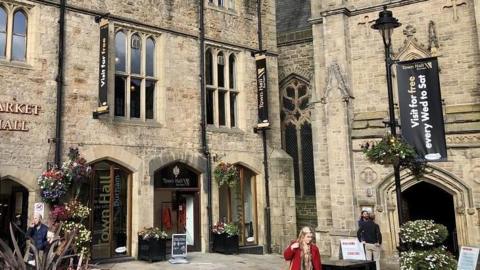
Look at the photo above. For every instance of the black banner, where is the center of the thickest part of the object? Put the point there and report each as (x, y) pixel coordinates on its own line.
(261, 63)
(103, 64)
(421, 108)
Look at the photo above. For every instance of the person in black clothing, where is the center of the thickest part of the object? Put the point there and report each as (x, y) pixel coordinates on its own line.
(38, 233)
(369, 234)
(364, 217)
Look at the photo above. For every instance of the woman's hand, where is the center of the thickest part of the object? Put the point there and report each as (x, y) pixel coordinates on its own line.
(295, 245)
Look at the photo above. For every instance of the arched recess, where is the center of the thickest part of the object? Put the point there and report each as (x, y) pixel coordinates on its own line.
(386, 199)
(192, 159)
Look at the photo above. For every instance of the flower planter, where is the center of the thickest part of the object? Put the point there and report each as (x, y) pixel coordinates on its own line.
(223, 243)
(152, 249)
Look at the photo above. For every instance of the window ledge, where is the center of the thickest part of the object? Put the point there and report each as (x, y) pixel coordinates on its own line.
(234, 130)
(222, 9)
(15, 64)
(133, 122)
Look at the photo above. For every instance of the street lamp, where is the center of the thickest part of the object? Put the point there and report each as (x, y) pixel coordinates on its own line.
(385, 24)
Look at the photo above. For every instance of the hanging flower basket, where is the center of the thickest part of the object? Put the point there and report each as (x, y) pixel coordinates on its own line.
(394, 151)
(76, 168)
(53, 185)
(226, 174)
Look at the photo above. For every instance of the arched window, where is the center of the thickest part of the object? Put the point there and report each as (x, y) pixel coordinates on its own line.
(19, 37)
(136, 54)
(210, 88)
(150, 55)
(222, 91)
(297, 133)
(3, 32)
(120, 51)
(139, 80)
(209, 68)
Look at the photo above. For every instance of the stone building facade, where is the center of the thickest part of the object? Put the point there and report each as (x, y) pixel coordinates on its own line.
(152, 130)
(349, 105)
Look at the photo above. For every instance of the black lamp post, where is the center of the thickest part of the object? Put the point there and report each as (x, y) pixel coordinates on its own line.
(385, 25)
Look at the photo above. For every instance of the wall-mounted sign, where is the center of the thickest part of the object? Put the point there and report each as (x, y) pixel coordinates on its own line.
(16, 109)
(176, 175)
(421, 108)
(102, 70)
(261, 63)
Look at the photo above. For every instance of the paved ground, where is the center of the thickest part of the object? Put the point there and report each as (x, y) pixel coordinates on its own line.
(214, 261)
(210, 261)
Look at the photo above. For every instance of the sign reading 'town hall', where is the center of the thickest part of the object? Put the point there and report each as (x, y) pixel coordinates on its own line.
(421, 108)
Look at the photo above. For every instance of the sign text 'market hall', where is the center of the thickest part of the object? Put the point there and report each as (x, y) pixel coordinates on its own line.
(16, 108)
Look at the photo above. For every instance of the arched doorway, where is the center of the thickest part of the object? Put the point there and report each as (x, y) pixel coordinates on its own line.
(13, 208)
(239, 205)
(108, 194)
(177, 202)
(427, 201)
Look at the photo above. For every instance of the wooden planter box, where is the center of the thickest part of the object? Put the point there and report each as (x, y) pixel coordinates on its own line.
(152, 250)
(225, 244)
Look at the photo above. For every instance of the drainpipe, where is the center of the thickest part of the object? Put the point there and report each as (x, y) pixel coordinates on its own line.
(268, 225)
(60, 79)
(203, 124)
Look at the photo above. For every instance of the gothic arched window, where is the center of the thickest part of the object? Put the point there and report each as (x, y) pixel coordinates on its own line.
(297, 133)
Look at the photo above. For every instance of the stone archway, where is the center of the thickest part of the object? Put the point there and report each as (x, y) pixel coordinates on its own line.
(461, 194)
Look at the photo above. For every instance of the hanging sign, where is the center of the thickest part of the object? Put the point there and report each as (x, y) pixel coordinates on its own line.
(468, 258)
(421, 108)
(103, 69)
(261, 63)
(352, 249)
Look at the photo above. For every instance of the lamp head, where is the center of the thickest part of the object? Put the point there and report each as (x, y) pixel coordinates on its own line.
(385, 25)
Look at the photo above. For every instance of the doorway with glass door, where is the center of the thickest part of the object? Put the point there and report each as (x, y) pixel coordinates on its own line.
(176, 202)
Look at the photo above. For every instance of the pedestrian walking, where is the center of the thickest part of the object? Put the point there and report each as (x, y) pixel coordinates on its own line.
(369, 234)
(302, 253)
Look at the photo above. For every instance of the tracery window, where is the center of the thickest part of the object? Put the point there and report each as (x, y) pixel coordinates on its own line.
(13, 33)
(222, 93)
(134, 96)
(297, 133)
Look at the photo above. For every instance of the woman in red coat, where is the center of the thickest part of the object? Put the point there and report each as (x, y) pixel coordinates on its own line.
(302, 253)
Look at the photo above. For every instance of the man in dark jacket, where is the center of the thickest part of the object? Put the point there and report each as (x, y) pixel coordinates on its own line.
(38, 232)
(369, 234)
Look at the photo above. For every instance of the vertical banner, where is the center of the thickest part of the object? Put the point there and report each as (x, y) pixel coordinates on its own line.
(421, 108)
(103, 64)
(261, 63)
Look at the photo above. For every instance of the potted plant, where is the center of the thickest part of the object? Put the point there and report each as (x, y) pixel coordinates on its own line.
(422, 241)
(152, 244)
(225, 238)
(226, 174)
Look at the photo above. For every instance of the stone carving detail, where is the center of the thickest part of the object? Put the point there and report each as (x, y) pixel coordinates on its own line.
(334, 73)
(432, 39)
(475, 174)
(411, 49)
(366, 22)
(453, 4)
(368, 175)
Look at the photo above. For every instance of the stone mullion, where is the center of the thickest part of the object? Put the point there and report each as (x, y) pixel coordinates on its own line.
(298, 127)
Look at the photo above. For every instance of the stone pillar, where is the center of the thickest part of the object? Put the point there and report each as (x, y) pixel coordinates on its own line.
(333, 151)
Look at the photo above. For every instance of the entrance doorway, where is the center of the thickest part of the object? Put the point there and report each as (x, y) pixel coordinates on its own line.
(108, 194)
(176, 202)
(427, 201)
(13, 208)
